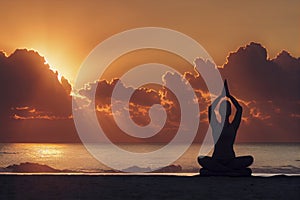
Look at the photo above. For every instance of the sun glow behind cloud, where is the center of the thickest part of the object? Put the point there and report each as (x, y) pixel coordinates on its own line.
(59, 75)
(58, 61)
(53, 64)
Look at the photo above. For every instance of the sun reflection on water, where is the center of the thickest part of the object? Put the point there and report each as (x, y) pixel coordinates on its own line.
(48, 150)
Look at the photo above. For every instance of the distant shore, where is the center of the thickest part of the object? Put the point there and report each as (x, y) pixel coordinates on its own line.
(147, 187)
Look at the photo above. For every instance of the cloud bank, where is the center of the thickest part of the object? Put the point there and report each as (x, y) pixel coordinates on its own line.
(35, 102)
(34, 105)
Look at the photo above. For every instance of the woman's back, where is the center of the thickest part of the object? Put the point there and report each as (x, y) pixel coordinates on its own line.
(224, 144)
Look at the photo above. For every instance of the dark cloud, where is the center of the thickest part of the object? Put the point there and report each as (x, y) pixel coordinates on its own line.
(252, 74)
(270, 91)
(31, 95)
(140, 103)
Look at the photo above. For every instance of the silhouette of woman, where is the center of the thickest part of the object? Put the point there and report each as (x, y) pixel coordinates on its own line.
(223, 159)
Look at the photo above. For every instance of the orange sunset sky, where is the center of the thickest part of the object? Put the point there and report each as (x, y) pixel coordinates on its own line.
(66, 31)
(256, 44)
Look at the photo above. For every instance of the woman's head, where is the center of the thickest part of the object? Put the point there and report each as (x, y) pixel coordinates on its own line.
(225, 109)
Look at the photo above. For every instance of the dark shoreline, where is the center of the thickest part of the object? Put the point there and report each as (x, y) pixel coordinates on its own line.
(147, 187)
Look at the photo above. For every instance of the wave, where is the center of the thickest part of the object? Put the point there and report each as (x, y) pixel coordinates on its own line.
(29, 167)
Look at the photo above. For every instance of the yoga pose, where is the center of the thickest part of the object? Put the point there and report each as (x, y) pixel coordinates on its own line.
(223, 159)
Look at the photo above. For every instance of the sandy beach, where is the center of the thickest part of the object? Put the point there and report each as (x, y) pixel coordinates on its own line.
(147, 187)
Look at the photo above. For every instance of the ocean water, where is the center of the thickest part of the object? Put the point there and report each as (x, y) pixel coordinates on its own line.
(269, 157)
